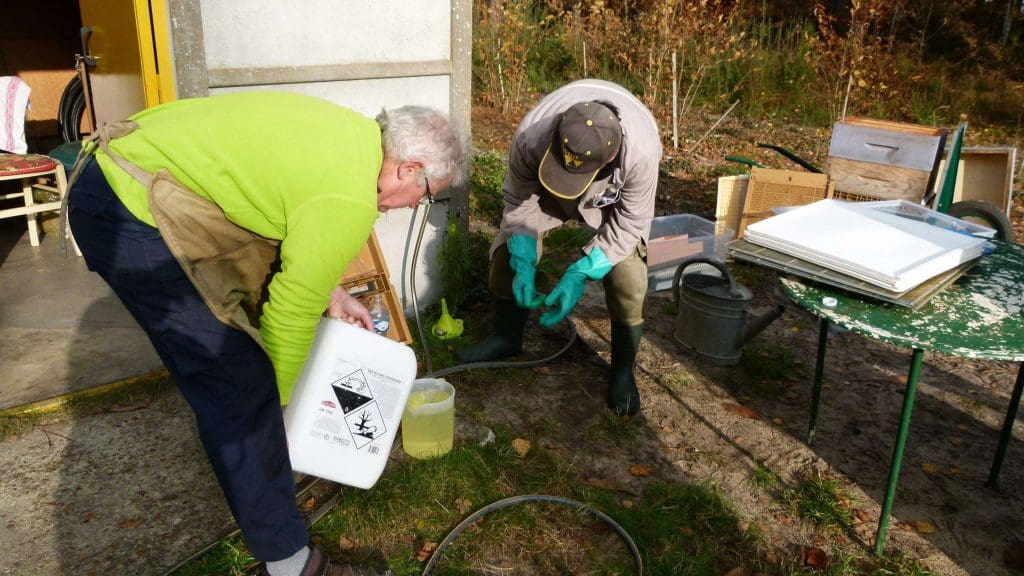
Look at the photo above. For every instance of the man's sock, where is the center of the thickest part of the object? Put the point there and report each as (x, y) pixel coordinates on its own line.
(290, 566)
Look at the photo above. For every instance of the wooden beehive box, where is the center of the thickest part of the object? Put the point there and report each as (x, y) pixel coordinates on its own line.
(732, 192)
(876, 159)
(985, 173)
(768, 188)
(367, 275)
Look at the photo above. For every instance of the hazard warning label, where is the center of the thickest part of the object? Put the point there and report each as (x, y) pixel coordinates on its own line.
(366, 424)
(362, 414)
(352, 391)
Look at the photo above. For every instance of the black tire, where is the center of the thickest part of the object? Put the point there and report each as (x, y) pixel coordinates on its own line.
(984, 213)
(70, 111)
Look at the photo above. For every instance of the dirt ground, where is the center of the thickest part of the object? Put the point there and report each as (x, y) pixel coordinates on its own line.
(715, 426)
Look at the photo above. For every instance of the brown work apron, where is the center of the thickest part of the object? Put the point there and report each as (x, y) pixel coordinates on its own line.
(229, 266)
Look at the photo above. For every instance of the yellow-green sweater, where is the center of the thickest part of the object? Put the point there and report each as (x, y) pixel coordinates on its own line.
(289, 167)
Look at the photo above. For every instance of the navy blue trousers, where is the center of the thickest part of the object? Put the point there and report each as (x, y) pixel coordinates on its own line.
(224, 375)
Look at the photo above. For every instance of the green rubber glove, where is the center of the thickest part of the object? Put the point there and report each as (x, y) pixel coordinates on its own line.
(522, 252)
(567, 293)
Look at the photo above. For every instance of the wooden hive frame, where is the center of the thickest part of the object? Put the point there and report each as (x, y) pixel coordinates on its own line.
(366, 276)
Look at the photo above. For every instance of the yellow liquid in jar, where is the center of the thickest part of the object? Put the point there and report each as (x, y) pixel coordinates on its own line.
(427, 432)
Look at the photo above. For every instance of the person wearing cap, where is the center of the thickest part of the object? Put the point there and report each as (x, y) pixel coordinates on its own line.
(590, 152)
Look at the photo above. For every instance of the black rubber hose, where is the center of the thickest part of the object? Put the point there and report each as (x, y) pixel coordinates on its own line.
(70, 110)
(633, 550)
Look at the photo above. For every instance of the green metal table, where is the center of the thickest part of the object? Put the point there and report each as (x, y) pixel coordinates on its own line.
(980, 316)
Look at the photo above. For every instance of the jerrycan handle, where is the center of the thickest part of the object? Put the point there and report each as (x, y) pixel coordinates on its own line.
(676, 280)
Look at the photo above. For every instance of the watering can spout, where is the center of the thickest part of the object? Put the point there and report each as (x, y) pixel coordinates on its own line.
(754, 326)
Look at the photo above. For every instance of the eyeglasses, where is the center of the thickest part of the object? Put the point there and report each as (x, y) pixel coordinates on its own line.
(427, 197)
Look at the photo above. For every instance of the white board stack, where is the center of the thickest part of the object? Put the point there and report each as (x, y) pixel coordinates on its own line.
(881, 248)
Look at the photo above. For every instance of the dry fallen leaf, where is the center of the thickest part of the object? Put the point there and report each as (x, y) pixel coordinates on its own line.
(862, 515)
(687, 531)
(521, 447)
(924, 527)
(815, 558)
(640, 470)
(88, 516)
(954, 470)
(465, 505)
(130, 524)
(784, 519)
(742, 411)
(628, 504)
(929, 468)
(739, 571)
(610, 485)
(345, 544)
(308, 504)
(542, 369)
(905, 526)
(777, 421)
(426, 551)
(956, 441)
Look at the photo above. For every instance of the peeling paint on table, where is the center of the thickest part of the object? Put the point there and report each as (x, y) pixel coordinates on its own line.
(980, 316)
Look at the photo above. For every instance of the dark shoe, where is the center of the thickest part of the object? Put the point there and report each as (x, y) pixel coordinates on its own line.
(320, 564)
(506, 338)
(623, 396)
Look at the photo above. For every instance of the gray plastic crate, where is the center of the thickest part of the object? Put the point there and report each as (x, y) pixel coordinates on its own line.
(703, 240)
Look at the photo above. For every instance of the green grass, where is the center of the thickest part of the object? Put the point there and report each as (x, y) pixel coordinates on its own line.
(486, 178)
(679, 528)
(763, 477)
(823, 502)
(562, 247)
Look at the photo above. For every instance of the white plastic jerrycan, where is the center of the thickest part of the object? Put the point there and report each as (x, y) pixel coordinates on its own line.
(347, 404)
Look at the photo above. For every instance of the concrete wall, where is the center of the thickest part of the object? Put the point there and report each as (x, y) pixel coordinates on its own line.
(363, 55)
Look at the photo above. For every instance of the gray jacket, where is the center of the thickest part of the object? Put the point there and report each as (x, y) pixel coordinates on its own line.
(621, 225)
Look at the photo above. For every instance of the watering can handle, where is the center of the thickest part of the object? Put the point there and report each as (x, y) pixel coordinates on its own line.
(676, 280)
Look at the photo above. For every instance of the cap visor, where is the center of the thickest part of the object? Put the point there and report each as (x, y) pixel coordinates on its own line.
(560, 182)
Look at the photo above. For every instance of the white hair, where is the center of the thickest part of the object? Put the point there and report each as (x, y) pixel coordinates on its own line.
(423, 134)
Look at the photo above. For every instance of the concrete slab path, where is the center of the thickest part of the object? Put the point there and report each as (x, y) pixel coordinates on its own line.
(61, 327)
(115, 493)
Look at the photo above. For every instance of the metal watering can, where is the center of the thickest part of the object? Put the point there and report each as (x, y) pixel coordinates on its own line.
(711, 318)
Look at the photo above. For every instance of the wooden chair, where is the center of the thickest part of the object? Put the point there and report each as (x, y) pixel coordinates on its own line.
(34, 172)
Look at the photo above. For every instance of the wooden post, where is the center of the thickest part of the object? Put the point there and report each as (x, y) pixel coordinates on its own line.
(675, 104)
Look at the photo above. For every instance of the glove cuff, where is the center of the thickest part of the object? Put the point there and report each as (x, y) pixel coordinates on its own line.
(594, 265)
(523, 248)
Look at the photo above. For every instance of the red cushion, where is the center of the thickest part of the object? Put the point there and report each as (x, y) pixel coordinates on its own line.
(25, 164)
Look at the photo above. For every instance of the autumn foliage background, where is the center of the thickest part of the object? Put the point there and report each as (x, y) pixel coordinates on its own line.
(933, 62)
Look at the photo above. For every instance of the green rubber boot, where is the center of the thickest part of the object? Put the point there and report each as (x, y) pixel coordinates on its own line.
(623, 396)
(506, 338)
